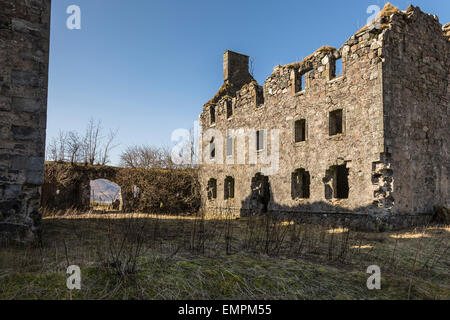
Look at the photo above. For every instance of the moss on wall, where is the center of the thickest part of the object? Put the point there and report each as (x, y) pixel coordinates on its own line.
(143, 190)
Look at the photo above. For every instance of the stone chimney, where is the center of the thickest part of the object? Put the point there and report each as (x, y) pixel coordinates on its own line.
(235, 68)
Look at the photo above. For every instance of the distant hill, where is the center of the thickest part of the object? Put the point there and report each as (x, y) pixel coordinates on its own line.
(104, 190)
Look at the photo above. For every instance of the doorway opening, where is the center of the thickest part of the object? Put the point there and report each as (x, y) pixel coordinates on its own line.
(105, 195)
(260, 193)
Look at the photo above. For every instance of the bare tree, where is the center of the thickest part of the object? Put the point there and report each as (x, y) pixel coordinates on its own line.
(147, 157)
(92, 148)
(129, 158)
(52, 150)
(139, 157)
(56, 149)
(62, 140)
(166, 158)
(74, 147)
(91, 142)
(108, 146)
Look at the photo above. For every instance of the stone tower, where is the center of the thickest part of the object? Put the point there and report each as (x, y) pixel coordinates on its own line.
(24, 55)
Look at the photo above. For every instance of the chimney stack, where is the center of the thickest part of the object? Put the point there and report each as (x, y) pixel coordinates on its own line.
(235, 68)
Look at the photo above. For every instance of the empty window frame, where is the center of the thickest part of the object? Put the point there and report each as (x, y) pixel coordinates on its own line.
(230, 145)
(259, 96)
(300, 130)
(212, 114)
(212, 189)
(301, 181)
(260, 137)
(229, 188)
(301, 80)
(212, 149)
(229, 107)
(337, 68)
(336, 122)
(305, 78)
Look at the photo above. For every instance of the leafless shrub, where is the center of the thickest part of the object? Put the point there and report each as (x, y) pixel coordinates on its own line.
(147, 157)
(160, 191)
(124, 247)
(56, 150)
(74, 147)
(197, 241)
(104, 155)
(91, 141)
(91, 148)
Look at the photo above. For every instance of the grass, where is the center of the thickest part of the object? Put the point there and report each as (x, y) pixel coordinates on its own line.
(251, 258)
(223, 90)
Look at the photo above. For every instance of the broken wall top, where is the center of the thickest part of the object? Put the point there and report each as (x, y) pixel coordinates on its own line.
(390, 17)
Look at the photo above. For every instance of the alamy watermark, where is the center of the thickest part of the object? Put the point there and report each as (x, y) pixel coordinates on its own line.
(373, 21)
(74, 20)
(374, 281)
(242, 146)
(74, 280)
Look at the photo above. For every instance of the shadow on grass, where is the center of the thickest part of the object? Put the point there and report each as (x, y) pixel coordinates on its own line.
(257, 257)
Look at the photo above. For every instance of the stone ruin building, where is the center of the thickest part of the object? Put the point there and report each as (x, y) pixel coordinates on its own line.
(370, 142)
(24, 54)
(67, 188)
(363, 130)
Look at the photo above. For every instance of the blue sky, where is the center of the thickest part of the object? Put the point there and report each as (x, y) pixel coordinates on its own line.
(146, 67)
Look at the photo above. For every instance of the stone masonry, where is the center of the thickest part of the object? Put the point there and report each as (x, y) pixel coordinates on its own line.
(67, 188)
(367, 147)
(24, 54)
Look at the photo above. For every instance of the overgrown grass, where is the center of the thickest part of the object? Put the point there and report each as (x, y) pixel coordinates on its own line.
(158, 257)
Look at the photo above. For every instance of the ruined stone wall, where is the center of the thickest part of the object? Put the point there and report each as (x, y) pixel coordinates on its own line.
(416, 87)
(24, 52)
(358, 92)
(394, 95)
(67, 187)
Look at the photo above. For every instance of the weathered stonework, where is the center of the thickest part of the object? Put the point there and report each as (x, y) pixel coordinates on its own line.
(24, 52)
(394, 96)
(67, 187)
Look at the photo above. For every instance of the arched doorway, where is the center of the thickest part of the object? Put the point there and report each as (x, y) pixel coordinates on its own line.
(105, 195)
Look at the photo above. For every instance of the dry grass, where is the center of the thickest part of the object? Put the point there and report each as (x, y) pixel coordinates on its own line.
(93, 215)
(223, 90)
(410, 235)
(338, 230)
(366, 246)
(166, 257)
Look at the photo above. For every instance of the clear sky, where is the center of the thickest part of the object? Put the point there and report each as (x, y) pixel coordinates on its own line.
(146, 67)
